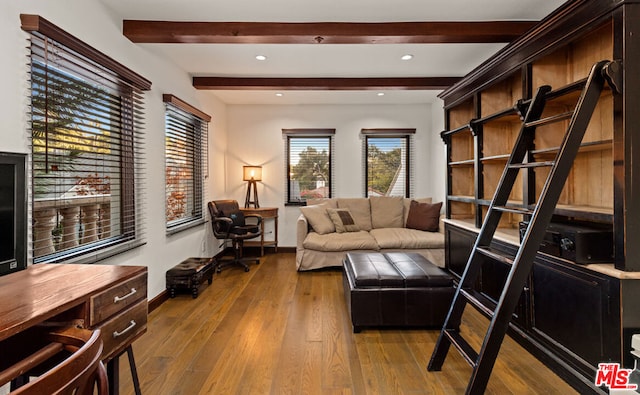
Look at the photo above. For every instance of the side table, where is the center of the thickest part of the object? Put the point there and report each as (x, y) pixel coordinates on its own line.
(266, 213)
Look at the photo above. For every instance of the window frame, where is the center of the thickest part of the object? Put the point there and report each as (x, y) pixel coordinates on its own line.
(295, 134)
(406, 134)
(199, 159)
(130, 87)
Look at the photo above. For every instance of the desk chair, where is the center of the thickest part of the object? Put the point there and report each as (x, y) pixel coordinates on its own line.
(229, 223)
(69, 363)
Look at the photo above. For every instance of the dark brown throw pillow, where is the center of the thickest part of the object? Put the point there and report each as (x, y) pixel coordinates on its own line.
(343, 220)
(424, 216)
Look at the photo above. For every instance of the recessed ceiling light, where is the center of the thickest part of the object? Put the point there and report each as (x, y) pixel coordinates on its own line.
(261, 57)
(407, 57)
(279, 94)
(380, 93)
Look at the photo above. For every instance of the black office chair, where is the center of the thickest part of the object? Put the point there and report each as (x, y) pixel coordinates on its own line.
(229, 223)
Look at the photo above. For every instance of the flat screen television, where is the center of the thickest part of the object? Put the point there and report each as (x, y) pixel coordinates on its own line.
(13, 213)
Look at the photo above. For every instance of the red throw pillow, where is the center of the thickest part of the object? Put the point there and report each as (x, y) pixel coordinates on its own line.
(424, 216)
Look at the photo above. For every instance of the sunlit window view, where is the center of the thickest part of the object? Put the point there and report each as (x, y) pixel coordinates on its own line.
(185, 152)
(84, 153)
(309, 166)
(387, 170)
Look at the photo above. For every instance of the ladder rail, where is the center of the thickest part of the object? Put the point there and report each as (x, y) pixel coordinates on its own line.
(523, 261)
(472, 269)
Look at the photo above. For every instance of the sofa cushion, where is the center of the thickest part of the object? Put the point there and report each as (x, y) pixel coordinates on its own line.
(403, 238)
(318, 218)
(360, 210)
(407, 205)
(328, 202)
(424, 216)
(343, 220)
(360, 240)
(387, 211)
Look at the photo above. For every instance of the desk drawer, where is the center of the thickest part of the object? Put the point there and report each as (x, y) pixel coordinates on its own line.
(117, 298)
(123, 329)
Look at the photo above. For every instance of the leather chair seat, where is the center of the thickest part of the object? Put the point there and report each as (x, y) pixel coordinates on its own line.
(395, 289)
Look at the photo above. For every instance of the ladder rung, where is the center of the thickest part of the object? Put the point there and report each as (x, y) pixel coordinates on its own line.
(494, 254)
(472, 297)
(529, 165)
(551, 119)
(468, 353)
(511, 209)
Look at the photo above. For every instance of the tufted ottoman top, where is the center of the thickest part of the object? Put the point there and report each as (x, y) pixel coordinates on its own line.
(394, 270)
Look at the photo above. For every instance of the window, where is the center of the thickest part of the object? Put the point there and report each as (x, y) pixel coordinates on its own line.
(86, 149)
(309, 164)
(387, 162)
(185, 163)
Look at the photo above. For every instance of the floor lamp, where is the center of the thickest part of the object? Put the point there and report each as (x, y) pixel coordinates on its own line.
(251, 174)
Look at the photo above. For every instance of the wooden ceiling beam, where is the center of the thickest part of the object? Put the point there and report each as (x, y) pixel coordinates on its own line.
(142, 31)
(337, 84)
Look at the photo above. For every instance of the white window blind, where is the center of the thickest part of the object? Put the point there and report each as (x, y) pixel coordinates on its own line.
(387, 162)
(87, 152)
(186, 131)
(308, 164)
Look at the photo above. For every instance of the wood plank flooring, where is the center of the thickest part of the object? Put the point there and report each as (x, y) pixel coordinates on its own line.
(274, 330)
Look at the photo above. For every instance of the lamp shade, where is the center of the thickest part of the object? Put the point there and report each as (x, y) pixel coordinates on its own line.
(252, 173)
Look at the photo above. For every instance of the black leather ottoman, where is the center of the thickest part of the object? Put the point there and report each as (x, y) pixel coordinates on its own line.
(189, 275)
(395, 289)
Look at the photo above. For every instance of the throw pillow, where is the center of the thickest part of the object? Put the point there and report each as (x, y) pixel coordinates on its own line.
(318, 218)
(343, 220)
(237, 217)
(424, 216)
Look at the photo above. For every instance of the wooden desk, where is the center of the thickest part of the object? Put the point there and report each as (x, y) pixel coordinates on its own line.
(110, 298)
(266, 213)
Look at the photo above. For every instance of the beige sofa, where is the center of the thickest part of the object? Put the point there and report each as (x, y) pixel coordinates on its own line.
(381, 223)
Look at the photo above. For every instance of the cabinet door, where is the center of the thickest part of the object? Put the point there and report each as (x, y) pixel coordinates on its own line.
(493, 278)
(493, 274)
(572, 308)
(458, 246)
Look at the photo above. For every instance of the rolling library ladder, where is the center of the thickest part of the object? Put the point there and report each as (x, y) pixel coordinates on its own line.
(540, 215)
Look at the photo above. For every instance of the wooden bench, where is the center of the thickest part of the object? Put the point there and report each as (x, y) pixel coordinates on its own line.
(395, 289)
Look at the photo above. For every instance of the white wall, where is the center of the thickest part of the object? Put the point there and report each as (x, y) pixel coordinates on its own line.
(255, 137)
(92, 23)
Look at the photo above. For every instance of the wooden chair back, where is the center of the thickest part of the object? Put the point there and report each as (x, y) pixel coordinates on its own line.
(81, 372)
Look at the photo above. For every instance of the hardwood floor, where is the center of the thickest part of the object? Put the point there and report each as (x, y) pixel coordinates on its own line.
(277, 331)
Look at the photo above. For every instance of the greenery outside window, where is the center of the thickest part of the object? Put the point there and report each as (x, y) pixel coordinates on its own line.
(185, 163)
(387, 162)
(308, 154)
(86, 149)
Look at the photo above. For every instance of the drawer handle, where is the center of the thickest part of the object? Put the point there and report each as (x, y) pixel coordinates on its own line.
(132, 325)
(120, 298)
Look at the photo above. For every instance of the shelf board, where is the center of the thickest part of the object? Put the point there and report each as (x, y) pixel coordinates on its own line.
(584, 147)
(462, 128)
(599, 214)
(462, 198)
(512, 203)
(466, 162)
(509, 115)
(495, 158)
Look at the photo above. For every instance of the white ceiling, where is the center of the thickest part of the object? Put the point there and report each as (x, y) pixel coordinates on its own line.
(327, 60)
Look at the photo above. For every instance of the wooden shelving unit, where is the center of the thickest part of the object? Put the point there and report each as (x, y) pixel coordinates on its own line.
(483, 115)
